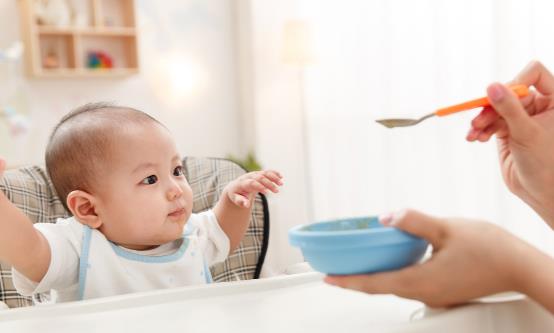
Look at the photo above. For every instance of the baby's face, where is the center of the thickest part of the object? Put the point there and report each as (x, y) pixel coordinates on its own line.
(144, 199)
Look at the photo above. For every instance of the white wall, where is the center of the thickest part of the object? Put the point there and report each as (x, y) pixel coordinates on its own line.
(270, 100)
(403, 59)
(221, 116)
(205, 122)
(388, 58)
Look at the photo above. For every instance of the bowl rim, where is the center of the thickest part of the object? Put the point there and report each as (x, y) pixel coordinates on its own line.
(299, 229)
(383, 236)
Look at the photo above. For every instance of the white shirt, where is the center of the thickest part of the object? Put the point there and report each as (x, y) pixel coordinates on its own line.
(84, 264)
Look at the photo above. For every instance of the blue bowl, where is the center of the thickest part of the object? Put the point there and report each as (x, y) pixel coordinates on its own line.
(356, 246)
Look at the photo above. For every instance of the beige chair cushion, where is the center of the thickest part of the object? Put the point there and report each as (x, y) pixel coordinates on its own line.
(31, 190)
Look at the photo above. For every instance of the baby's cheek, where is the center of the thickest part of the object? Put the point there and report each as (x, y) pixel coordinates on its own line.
(189, 198)
(140, 218)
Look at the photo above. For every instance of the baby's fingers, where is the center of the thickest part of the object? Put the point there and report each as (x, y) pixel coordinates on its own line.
(270, 180)
(252, 185)
(2, 166)
(240, 200)
(268, 184)
(274, 176)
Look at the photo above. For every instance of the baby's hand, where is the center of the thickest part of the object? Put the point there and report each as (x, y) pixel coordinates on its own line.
(2, 166)
(242, 190)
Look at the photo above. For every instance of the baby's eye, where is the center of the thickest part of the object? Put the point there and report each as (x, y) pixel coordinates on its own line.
(152, 179)
(178, 171)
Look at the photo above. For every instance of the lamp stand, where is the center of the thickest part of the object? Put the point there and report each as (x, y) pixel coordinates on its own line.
(305, 147)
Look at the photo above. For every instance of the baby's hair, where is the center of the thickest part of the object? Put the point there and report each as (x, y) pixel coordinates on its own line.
(81, 143)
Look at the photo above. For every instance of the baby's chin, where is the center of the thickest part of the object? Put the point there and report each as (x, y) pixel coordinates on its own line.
(161, 239)
(170, 231)
(153, 243)
(176, 232)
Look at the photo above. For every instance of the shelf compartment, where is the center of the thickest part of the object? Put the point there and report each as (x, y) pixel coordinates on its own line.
(57, 52)
(122, 50)
(61, 51)
(109, 13)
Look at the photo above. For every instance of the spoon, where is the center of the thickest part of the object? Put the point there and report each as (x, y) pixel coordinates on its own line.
(520, 90)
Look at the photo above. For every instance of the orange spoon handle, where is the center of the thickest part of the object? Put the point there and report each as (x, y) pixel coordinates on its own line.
(520, 90)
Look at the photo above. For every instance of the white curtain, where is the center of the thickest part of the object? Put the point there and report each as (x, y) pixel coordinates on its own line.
(402, 58)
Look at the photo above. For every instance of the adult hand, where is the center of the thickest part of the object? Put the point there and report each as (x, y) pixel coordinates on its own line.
(470, 259)
(525, 135)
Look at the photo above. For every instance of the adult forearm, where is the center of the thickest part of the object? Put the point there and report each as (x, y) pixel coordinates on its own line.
(232, 219)
(537, 278)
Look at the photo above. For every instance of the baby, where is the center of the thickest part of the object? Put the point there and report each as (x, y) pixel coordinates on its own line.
(132, 228)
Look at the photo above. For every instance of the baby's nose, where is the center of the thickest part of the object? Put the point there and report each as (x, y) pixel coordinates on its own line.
(174, 192)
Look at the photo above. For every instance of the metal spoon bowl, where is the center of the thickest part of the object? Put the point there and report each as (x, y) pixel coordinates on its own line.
(402, 122)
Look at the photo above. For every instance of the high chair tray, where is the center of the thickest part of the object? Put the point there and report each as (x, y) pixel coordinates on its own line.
(291, 303)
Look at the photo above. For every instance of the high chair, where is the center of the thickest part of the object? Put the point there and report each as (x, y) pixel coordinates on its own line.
(30, 189)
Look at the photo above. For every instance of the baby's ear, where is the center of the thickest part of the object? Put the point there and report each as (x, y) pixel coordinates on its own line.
(81, 205)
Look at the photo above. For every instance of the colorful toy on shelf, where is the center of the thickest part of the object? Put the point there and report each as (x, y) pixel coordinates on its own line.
(99, 59)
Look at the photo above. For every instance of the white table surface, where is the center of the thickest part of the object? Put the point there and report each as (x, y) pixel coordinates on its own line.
(294, 303)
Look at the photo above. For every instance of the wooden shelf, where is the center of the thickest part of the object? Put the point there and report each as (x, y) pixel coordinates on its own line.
(63, 51)
(84, 73)
(96, 31)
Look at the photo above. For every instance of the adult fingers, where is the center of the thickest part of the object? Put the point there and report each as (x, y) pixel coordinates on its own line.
(419, 224)
(535, 74)
(507, 105)
(486, 117)
(497, 127)
(485, 120)
(406, 282)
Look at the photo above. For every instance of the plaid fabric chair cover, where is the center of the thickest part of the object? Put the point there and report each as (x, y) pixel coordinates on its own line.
(31, 190)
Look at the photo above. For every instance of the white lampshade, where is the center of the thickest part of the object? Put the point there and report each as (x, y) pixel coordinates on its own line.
(297, 43)
(177, 78)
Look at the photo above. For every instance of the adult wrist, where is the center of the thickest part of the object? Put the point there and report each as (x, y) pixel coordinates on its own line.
(532, 272)
(545, 211)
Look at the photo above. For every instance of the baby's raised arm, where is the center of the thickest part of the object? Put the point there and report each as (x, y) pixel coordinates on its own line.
(21, 245)
(234, 207)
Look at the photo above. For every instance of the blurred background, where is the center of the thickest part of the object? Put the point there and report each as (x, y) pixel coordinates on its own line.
(298, 85)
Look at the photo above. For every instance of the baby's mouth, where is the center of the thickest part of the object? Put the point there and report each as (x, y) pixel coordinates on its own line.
(176, 214)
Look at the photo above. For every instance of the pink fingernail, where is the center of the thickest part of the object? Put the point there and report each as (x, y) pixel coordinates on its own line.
(386, 219)
(393, 218)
